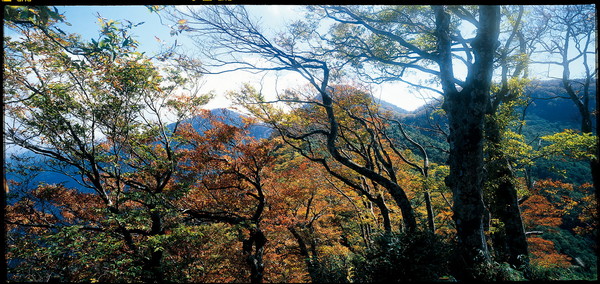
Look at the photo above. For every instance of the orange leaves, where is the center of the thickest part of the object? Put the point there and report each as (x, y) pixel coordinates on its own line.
(538, 211)
(552, 200)
(72, 204)
(545, 254)
(552, 187)
(549, 201)
(23, 213)
(588, 216)
(49, 205)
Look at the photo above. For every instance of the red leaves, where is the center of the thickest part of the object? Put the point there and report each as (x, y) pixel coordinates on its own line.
(545, 254)
(538, 211)
(548, 203)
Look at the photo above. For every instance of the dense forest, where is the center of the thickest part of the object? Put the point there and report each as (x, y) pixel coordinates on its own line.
(121, 173)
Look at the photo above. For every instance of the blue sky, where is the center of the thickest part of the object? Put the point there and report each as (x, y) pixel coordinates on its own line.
(84, 21)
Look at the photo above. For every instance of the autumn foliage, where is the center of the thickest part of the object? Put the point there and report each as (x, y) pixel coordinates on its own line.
(159, 189)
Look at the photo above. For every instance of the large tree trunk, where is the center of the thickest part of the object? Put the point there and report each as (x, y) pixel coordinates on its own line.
(465, 114)
(153, 271)
(466, 111)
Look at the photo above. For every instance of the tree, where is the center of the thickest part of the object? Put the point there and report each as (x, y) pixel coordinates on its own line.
(95, 111)
(427, 46)
(509, 239)
(465, 111)
(228, 172)
(253, 189)
(215, 23)
(325, 219)
(569, 40)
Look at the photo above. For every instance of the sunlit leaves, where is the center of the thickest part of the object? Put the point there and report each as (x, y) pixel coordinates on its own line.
(516, 148)
(96, 109)
(570, 143)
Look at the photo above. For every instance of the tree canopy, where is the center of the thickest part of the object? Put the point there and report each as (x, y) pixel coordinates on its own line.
(317, 183)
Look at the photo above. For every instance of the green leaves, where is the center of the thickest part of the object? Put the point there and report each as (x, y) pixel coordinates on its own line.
(516, 148)
(37, 15)
(115, 38)
(570, 143)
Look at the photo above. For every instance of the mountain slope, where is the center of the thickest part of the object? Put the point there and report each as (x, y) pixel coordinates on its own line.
(230, 117)
(31, 169)
(550, 111)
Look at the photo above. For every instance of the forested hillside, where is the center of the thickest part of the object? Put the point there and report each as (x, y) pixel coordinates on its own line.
(545, 110)
(124, 175)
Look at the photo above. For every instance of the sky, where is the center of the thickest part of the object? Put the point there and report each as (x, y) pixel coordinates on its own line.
(152, 32)
(83, 20)
(155, 32)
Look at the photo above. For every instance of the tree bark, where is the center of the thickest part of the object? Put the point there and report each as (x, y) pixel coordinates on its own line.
(310, 256)
(466, 177)
(253, 249)
(153, 265)
(385, 213)
(466, 110)
(430, 218)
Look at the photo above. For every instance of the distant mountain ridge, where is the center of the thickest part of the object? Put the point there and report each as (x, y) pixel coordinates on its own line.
(230, 117)
(544, 116)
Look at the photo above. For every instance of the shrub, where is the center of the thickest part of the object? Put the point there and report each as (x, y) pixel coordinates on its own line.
(418, 256)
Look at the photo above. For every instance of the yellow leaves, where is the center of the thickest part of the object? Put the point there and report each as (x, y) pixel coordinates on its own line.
(516, 148)
(570, 143)
(246, 120)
